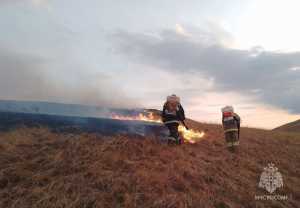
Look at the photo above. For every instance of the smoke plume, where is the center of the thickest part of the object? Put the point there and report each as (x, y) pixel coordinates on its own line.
(28, 77)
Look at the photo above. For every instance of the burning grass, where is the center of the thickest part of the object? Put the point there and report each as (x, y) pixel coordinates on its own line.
(190, 136)
(39, 168)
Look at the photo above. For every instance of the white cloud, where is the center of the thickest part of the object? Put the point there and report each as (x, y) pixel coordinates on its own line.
(180, 30)
(296, 68)
(40, 2)
(271, 24)
(232, 69)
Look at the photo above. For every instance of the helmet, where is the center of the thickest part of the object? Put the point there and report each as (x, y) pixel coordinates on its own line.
(173, 98)
(227, 109)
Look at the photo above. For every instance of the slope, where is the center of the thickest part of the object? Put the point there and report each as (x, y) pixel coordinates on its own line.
(39, 168)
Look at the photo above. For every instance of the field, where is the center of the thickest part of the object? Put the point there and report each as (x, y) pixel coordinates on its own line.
(40, 168)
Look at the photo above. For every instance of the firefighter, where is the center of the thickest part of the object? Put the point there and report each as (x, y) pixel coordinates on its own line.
(231, 125)
(172, 115)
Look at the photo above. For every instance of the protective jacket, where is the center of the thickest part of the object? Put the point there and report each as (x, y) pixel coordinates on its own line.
(172, 116)
(231, 122)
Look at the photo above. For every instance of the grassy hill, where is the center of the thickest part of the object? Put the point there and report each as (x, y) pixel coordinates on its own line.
(39, 168)
(290, 127)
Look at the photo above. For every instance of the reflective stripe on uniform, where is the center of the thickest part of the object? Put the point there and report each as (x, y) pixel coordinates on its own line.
(170, 113)
(229, 144)
(228, 118)
(229, 130)
(172, 121)
(171, 138)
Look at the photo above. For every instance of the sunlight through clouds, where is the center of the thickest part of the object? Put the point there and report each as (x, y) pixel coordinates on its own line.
(270, 24)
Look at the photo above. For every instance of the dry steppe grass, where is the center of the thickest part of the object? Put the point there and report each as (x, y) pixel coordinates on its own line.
(39, 168)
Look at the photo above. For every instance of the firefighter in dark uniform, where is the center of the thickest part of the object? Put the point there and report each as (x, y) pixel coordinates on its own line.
(231, 125)
(172, 115)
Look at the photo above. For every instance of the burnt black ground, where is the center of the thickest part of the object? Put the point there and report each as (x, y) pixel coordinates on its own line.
(71, 124)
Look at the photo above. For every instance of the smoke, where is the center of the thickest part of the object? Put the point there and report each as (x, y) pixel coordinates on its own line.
(29, 77)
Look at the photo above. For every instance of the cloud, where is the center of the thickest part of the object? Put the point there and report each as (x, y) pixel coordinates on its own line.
(39, 2)
(35, 3)
(267, 75)
(28, 77)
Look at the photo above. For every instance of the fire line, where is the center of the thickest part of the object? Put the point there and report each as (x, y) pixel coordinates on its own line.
(191, 136)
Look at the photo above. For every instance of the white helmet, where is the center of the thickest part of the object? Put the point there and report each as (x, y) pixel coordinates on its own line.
(173, 98)
(227, 109)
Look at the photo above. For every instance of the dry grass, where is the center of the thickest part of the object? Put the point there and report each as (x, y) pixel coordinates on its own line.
(290, 127)
(42, 169)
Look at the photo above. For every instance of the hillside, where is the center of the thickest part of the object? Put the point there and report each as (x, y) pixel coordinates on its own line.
(39, 168)
(290, 127)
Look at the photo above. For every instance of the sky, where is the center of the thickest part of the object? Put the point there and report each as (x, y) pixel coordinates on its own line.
(134, 53)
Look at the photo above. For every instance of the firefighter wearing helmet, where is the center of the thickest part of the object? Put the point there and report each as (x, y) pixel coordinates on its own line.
(231, 125)
(172, 115)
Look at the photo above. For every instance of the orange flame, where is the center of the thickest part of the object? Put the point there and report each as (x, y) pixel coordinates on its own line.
(141, 117)
(191, 136)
